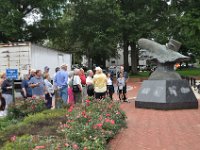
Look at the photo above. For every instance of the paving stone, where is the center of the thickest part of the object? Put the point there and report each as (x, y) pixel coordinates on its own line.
(157, 129)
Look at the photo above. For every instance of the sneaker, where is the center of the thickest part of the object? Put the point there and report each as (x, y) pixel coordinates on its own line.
(126, 100)
(3, 114)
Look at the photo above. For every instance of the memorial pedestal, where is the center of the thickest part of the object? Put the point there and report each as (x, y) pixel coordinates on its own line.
(166, 95)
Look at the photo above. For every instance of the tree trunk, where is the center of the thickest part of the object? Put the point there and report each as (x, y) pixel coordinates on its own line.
(126, 64)
(134, 58)
(103, 63)
(90, 65)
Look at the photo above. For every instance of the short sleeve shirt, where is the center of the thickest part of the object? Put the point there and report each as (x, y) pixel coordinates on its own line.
(27, 88)
(39, 90)
(76, 80)
(125, 75)
(100, 83)
(89, 80)
(121, 82)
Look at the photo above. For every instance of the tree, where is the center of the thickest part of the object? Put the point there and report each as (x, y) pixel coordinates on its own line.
(91, 29)
(13, 26)
(139, 19)
(184, 25)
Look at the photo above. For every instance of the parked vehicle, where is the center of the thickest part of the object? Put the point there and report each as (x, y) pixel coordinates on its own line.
(25, 56)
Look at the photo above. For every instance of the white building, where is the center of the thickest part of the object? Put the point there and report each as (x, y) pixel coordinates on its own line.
(119, 60)
(25, 56)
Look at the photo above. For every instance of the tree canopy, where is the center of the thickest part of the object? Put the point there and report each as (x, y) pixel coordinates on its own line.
(95, 27)
(14, 27)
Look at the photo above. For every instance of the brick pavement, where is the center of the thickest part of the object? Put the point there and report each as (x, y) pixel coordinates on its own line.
(158, 130)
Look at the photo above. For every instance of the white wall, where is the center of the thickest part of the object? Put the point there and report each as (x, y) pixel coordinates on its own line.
(15, 57)
(42, 56)
(119, 61)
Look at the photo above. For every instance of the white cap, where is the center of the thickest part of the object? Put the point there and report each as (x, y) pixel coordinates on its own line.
(97, 68)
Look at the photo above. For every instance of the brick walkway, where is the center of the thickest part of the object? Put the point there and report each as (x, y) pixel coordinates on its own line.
(158, 130)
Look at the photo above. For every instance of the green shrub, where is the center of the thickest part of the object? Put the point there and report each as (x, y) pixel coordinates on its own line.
(23, 108)
(5, 122)
(43, 123)
(88, 127)
(27, 142)
(94, 124)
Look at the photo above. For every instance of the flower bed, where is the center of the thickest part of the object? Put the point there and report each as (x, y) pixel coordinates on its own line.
(23, 108)
(86, 127)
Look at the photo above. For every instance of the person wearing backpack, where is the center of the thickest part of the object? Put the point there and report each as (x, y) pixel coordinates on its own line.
(77, 86)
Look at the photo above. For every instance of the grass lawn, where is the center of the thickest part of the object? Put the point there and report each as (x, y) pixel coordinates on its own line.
(140, 75)
(194, 72)
(190, 72)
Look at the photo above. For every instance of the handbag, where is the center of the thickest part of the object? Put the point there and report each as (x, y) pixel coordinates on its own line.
(75, 88)
(121, 87)
(90, 87)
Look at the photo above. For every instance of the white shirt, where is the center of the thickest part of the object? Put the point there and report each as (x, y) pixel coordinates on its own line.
(76, 80)
(49, 86)
(109, 81)
(89, 80)
(121, 82)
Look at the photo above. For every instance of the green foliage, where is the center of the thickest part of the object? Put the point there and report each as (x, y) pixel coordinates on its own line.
(5, 122)
(22, 108)
(194, 72)
(27, 142)
(89, 27)
(95, 27)
(42, 123)
(140, 74)
(88, 126)
(13, 27)
(93, 125)
(190, 72)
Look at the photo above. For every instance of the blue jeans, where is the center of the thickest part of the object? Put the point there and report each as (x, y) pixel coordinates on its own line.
(63, 92)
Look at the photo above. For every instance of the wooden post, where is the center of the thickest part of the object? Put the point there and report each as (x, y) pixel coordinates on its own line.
(13, 91)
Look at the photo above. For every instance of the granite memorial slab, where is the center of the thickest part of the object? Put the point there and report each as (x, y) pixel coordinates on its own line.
(165, 89)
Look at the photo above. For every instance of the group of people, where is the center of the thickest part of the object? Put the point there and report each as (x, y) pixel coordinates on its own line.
(70, 86)
(76, 85)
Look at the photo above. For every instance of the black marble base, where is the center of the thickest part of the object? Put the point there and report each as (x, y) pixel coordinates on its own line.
(166, 95)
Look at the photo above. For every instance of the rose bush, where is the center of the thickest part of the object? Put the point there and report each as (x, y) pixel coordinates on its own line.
(86, 127)
(23, 108)
(93, 125)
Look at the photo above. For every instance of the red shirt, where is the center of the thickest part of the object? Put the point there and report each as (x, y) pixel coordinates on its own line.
(83, 79)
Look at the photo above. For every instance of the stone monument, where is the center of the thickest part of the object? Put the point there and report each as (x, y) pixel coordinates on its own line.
(165, 89)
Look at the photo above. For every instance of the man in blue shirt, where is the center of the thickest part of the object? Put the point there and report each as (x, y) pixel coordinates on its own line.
(61, 82)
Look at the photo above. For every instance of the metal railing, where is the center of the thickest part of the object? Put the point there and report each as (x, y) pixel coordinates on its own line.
(191, 80)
